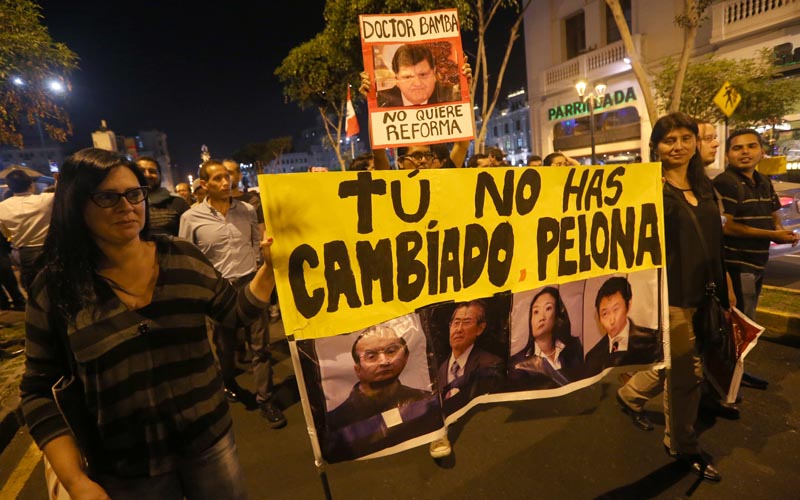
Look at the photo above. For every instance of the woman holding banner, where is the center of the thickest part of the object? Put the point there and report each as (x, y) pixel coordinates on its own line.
(122, 316)
(692, 215)
(552, 356)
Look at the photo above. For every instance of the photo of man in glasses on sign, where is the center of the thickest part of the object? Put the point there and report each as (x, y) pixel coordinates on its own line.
(391, 401)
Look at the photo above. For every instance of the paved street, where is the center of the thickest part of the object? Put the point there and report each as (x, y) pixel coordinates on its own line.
(784, 271)
(576, 447)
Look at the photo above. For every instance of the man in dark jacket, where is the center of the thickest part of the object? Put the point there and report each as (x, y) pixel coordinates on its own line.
(165, 209)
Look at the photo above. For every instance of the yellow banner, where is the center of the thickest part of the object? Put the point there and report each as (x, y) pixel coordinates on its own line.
(353, 249)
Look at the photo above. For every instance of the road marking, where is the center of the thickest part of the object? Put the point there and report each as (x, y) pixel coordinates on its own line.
(19, 476)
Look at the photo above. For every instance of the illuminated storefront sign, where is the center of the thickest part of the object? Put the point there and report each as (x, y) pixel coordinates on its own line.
(579, 108)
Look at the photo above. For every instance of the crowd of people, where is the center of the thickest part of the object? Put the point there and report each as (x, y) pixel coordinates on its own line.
(138, 278)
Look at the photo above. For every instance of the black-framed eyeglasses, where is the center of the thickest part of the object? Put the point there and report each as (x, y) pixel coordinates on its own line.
(418, 156)
(108, 199)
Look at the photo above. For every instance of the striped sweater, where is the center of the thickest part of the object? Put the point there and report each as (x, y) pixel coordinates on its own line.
(149, 374)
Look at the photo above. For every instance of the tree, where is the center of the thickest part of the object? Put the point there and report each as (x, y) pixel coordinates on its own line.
(766, 96)
(690, 21)
(28, 59)
(636, 63)
(482, 13)
(260, 153)
(316, 74)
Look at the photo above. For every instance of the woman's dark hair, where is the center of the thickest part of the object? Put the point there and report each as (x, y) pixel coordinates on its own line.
(696, 171)
(561, 325)
(549, 159)
(71, 255)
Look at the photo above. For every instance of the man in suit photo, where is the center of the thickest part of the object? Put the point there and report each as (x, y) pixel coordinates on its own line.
(469, 371)
(624, 343)
(416, 83)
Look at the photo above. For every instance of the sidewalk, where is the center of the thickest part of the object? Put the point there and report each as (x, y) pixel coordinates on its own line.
(779, 312)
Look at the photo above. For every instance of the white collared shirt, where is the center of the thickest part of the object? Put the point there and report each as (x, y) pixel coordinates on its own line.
(621, 338)
(462, 362)
(555, 364)
(25, 217)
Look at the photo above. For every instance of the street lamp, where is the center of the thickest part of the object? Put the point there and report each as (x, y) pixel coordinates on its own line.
(599, 91)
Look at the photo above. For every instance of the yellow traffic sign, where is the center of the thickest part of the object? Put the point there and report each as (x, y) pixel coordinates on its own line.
(727, 98)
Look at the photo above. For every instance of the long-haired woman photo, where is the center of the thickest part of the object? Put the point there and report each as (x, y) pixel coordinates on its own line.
(551, 350)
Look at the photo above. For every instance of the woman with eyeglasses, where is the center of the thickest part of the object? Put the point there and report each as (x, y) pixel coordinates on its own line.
(133, 310)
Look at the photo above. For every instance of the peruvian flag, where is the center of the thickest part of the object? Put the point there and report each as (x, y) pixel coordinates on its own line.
(352, 121)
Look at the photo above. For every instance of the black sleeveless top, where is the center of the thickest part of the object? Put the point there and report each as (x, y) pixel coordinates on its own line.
(687, 267)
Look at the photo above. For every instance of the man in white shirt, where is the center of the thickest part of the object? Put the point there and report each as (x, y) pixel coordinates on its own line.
(25, 220)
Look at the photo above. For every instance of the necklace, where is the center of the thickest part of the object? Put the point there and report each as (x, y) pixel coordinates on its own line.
(677, 187)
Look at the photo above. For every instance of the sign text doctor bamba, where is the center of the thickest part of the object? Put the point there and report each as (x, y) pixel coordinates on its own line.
(354, 249)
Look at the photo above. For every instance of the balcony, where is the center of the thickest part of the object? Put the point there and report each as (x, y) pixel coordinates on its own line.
(732, 19)
(595, 65)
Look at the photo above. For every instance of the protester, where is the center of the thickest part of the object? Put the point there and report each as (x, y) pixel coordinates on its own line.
(710, 402)
(362, 162)
(226, 231)
(552, 357)
(135, 310)
(496, 157)
(25, 220)
(479, 160)
(709, 143)
(687, 191)
(182, 190)
(534, 161)
(559, 159)
(198, 191)
(164, 209)
(11, 298)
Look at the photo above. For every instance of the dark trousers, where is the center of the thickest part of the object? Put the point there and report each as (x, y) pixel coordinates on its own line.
(10, 284)
(257, 335)
(30, 265)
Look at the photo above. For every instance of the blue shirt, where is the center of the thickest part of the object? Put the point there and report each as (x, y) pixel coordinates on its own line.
(231, 242)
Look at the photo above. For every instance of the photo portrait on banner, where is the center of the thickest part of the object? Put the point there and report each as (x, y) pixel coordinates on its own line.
(374, 388)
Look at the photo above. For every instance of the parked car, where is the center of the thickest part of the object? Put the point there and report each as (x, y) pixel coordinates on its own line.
(789, 196)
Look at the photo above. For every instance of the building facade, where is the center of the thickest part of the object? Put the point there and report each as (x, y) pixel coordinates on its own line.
(569, 40)
(509, 128)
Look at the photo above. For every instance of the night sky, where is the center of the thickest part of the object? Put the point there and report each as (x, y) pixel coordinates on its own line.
(201, 74)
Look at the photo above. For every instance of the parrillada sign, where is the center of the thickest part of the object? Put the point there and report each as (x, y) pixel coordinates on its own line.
(579, 108)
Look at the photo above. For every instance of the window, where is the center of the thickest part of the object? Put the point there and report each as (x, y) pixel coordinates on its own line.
(575, 30)
(505, 128)
(495, 131)
(612, 32)
(517, 126)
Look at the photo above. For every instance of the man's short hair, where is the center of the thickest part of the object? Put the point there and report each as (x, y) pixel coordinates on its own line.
(534, 158)
(612, 286)
(440, 152)
(203, 171)
(378, 329)
(361, 162)
(411, 55)
(480, 304)
(18, 181)
(496, 153)
(742, 131)
(473, 161)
